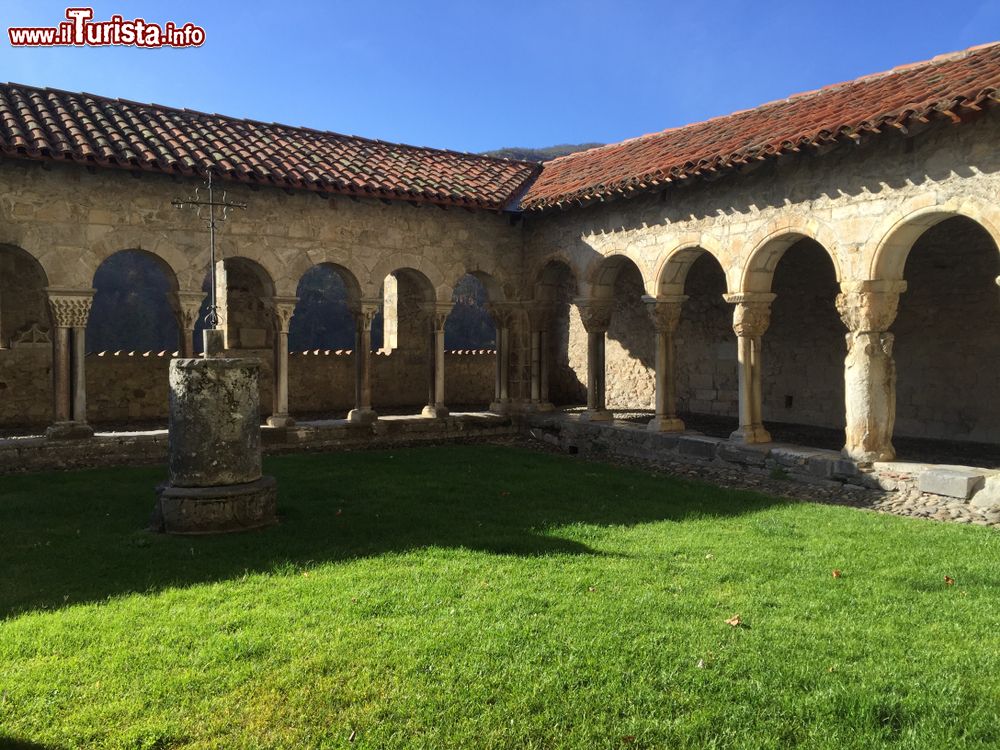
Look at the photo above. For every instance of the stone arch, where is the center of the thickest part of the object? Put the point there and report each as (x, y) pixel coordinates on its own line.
(281, 276)
(604, 272)
(495, 290)
(186, 265)
(329, 294)
(422, 271)
(547, 267)
(672, 270)
(244, 303)
(897, 235)
(138, 284)
(23, 301)
(769, 245)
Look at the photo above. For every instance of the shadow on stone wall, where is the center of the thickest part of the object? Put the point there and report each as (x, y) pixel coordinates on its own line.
(78, 536)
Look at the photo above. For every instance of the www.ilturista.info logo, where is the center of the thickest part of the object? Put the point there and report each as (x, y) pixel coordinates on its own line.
(79, 30)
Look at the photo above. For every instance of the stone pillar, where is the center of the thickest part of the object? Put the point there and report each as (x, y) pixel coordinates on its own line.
(666, 315)
(868, 308)
(596, 317)
(751, 317)
(70, 311)
(364, 315)
(215, 482)
(502, 316)
(539, 316)
(438, 314)
(282, 310)
(186, 306)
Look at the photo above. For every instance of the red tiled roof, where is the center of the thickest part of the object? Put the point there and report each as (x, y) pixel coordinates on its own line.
(93, 130)
(951, 86)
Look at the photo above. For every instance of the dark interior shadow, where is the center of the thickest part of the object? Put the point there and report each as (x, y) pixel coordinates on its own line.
(79, 536)
(14, 743)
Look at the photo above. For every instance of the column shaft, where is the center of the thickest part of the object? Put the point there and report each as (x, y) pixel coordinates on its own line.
(282, 309)
(61, 374)
(79, 374)
(751, 317)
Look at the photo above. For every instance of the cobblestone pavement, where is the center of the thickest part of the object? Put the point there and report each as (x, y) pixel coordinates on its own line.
(911, 504)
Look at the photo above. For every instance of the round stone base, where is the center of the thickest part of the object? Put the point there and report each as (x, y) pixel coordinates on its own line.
(216, 510)
(434, 411)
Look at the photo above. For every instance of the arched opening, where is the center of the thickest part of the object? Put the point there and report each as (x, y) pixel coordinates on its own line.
(25, 341)
(947, 339)
(131, 310)
(321, 340)
(804, 349)
(243, 300)
(705, 348)
(469, 331)
(324, 317)
(401, 373)
(469, 325)
(566, 344)
(629, 363)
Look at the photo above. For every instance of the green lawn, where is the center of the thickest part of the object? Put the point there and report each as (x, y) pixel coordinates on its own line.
(488, 597)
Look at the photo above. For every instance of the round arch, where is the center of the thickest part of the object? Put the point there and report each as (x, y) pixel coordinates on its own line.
(672, 270)
(770, 245)
(136, 284)
(604, 271)
(424, 273)
(551, 274)
(186, 265)
(23, 300)
(901, 230)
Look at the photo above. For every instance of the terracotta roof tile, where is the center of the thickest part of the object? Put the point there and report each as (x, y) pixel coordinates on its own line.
(50, 124)
(950, 86)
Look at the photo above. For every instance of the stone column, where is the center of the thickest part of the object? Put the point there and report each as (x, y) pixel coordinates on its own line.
(596, 317)
(364, 315)
(666, 315)
(186, 306)
(502, 317)
(539, 316)
(70, 311)
(868, 308)
(438, 314)
(282, 309)
(751, 317)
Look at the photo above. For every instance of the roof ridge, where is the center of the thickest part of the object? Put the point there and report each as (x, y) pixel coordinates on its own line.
(298, 128)
(906, 67)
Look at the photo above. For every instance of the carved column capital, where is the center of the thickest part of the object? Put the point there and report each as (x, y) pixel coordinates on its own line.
(752, 312)
(595, 313)
(665, 311)
(502, 313)
(186, 306)
(869, 307)
(438, 313)
(282, 309)
(539, 315)
(364, 312)
(70, 307)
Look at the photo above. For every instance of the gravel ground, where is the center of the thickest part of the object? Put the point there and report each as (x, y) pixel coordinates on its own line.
(911, 504)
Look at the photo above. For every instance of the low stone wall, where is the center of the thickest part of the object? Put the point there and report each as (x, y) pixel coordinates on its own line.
(125, 387)
(27, 455)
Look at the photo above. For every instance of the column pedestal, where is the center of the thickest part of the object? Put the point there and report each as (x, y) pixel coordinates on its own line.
(215, 482)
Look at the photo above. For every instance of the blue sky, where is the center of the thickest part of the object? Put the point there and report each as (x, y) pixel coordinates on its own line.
(475, 75)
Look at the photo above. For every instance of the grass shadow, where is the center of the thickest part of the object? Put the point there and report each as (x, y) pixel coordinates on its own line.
(80, 536)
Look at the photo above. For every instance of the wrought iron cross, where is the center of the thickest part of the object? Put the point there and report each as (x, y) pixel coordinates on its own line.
(212, 318)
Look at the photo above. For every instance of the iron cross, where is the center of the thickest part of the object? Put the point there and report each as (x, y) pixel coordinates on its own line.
(212, 318)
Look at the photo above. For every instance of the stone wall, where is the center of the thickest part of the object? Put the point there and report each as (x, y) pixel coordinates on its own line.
(804, 346)
(707, 374)
(128, 387)
(26, 386)
(947, 330)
